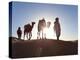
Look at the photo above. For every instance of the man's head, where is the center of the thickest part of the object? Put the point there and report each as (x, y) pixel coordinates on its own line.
(19, 28)
(56, 19)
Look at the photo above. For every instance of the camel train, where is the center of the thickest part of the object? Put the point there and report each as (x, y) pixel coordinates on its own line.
(42, 24)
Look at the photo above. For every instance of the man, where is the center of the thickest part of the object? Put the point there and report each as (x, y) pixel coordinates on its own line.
(57, 28)
(19, 33)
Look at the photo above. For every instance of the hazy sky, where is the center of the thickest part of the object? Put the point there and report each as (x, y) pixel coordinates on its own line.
(23, 13)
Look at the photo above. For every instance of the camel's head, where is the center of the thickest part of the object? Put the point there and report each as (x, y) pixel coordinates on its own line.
(33, 23)
(48, 24)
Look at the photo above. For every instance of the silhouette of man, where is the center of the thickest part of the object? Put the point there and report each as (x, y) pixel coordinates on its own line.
(57, 28)
(19, 33)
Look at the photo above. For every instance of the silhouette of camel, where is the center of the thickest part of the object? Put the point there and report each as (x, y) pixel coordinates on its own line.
(41, 26)
(28, 30)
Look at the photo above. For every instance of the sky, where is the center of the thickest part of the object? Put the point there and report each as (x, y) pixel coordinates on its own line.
(25, 12)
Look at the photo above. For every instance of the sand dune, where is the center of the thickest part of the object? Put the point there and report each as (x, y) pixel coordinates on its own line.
(39, 48)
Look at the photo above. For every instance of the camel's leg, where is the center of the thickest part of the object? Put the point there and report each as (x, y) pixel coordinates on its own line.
(42, 34)
(30, 35)
(38, 35)
(24, 35)
(27, 35)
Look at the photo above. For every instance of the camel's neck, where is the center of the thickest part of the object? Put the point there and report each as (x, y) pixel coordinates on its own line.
(32, 25)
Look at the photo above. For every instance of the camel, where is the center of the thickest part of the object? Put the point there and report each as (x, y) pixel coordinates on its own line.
(28, 30)
(41, 26)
